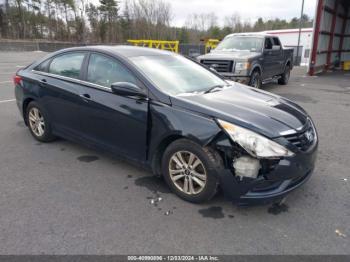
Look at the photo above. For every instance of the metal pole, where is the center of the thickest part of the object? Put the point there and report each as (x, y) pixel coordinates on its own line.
(300, 26)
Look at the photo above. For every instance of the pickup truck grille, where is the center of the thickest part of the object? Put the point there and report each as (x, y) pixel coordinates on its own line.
(304, 139)
(221, 66)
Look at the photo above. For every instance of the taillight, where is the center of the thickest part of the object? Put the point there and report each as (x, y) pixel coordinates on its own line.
(17, 80)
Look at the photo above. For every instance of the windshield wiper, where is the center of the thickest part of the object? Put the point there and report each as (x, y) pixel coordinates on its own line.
(213, 88)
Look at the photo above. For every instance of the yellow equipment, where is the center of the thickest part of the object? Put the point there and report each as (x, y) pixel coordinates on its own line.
(211, 44)
(160, 44)
(346, 66)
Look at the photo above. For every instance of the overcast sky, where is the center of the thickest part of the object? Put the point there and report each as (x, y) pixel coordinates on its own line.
(248, 9)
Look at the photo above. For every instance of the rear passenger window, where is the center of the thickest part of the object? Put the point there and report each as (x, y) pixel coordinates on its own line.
(43, 66)
(276, 41)
(68, 65)
(105, 71)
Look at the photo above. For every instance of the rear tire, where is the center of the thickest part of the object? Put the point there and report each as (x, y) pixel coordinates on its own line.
(39, 123)
(185, 160)
(255, 79)
(285, 76)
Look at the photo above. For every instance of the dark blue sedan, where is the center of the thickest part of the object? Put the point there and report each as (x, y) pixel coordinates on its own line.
(174, 116)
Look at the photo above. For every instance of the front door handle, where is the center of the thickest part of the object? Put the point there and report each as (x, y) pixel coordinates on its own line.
(85, 97)
(43, 82)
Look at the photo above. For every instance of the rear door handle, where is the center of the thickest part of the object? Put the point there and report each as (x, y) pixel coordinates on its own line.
(85, 97)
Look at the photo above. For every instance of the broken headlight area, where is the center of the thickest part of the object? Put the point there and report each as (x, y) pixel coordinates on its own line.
(242, 165)
(254, 144)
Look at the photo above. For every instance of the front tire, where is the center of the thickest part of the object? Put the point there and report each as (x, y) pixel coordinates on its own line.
(255, 79)
(189, 170)
(39, 123)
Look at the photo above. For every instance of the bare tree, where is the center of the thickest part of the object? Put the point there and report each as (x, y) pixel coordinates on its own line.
(202, 21)
(234, 22)
(151, 18)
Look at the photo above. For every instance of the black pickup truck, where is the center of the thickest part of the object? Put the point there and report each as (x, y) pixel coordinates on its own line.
(251, 58)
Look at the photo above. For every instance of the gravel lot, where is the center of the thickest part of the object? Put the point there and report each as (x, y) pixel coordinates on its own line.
(62, 198)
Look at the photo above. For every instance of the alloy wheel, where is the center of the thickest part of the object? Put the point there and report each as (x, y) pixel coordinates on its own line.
(36, 122)
(187, 172)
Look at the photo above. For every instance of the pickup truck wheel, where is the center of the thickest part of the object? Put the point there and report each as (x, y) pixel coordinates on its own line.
(189, 170)
(255, 79)
(285, 76)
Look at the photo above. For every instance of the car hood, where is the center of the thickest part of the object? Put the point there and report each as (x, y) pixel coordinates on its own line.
(243, 55)
(257, 110)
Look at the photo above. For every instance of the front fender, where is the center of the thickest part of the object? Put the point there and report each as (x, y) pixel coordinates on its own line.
(256, 66)
(169, 121)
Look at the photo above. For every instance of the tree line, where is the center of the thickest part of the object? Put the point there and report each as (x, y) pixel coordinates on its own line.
(205, 25)
(106, 21)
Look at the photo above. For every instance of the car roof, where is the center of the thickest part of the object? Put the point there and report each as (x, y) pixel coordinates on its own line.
(256, 34)
(122, 50)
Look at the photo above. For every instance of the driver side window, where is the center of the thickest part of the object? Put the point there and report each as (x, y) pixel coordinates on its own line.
(268, 44)
(105, 71)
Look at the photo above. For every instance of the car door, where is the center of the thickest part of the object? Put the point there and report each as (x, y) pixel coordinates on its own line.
(278, 56)
(59, 80)
(269, 60)
(115, 122)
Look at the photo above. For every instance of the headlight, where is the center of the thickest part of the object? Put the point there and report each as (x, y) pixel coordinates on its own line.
(256, 145)
(242, 66)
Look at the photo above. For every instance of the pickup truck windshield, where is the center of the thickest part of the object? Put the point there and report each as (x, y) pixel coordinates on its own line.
(175, 75)
(241, 43)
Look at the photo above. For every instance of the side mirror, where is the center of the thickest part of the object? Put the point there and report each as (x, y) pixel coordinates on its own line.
(276, 47)
(127, 89)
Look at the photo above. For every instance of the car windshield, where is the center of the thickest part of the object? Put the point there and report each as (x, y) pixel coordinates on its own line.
(241, 43)
(175, 75)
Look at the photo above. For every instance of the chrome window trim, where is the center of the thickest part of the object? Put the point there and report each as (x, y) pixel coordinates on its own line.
(74, 80)
(96, 85)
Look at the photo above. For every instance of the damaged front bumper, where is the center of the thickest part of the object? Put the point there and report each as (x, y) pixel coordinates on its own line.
(286, 175)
